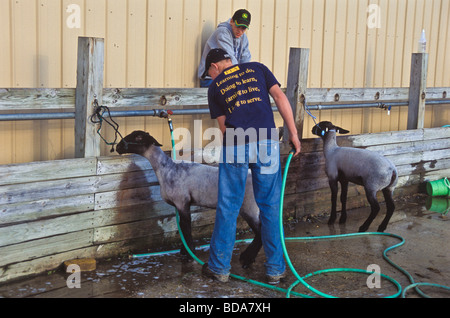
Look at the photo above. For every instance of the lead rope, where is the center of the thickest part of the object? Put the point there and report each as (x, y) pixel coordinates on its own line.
(98, 112)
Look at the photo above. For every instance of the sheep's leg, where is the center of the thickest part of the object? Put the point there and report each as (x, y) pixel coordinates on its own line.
(344, 188)
(249, 255)
(375, 208)
(186, 229)
(390, 207)
(334, 190)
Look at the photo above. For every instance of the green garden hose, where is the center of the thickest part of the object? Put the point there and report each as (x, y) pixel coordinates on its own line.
(303, 279)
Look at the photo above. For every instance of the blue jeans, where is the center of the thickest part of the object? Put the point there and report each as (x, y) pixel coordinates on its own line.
(266, 177)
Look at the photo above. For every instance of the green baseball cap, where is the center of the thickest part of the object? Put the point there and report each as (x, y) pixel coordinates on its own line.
(242, 18)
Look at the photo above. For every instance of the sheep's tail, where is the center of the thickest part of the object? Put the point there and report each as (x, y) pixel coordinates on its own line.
(394, 179)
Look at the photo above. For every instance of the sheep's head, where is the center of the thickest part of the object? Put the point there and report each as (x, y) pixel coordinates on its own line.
(321, 129)
(137, 142)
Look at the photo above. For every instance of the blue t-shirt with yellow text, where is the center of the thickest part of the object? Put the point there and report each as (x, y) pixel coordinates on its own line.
(241, 93)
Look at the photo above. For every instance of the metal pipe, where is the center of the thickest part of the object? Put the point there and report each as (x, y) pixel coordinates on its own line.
(201, 111)
(437, 102)
(40, 116)
(377, 105)
(354, 105)
(156, 112)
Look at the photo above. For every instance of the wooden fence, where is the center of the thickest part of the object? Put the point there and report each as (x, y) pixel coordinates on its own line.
(103, 206)
(95, 207)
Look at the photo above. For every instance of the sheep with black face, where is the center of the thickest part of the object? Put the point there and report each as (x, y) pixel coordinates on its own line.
(360, 166)
(188, 183)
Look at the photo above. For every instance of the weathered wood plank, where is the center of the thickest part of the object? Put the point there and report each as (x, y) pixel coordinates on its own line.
(35, 210)
(313, 159)
(127, 231)
(414, 158)
(421, 178)
(35, 191)
(37, 98)
(90, 64)
(176, 98)
(297, 85)
(410, 147)
(311, 184)
(45, 228)
(436, 133)
(369, 95)
(43, 264)
(47, 170)
(319, 201)
(323, 194)
(392, 137)
(173, 98)
(435, 175)
(417, 90)
(424, 166)
(154, 226)
(119, 215)
(135, 179)
(131, 199)
(329, 95)
(124, 163)
(45, 246)
(128, 197)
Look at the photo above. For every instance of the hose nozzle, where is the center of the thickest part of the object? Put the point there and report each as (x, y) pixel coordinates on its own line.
(165, 114)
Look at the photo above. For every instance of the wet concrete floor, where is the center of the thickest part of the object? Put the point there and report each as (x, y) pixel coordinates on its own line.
(425, 255)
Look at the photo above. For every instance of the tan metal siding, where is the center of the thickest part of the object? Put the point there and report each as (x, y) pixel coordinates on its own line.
(158, 43)
(149, 43)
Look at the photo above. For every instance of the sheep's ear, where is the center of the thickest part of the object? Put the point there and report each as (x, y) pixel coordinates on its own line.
(155, 142)
(341, 130)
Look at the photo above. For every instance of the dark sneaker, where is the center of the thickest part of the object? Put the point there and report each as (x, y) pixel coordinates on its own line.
(275, 279)
(210, 274)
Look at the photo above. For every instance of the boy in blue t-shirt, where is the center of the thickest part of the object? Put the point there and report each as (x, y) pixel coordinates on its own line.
(239, 99)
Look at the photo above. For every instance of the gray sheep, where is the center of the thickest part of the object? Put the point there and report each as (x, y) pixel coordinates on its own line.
(188, 183)
(359, 166)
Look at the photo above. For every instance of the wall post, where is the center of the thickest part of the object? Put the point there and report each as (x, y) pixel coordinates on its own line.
(89, 88)
(296, 87)
(417, 90)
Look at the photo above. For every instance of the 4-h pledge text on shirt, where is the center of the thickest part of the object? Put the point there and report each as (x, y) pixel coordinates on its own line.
(236, 85)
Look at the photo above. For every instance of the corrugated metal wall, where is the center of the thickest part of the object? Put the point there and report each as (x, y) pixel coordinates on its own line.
(158, 43)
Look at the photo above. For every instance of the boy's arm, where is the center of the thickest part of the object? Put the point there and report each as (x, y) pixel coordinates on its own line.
(284, 107)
